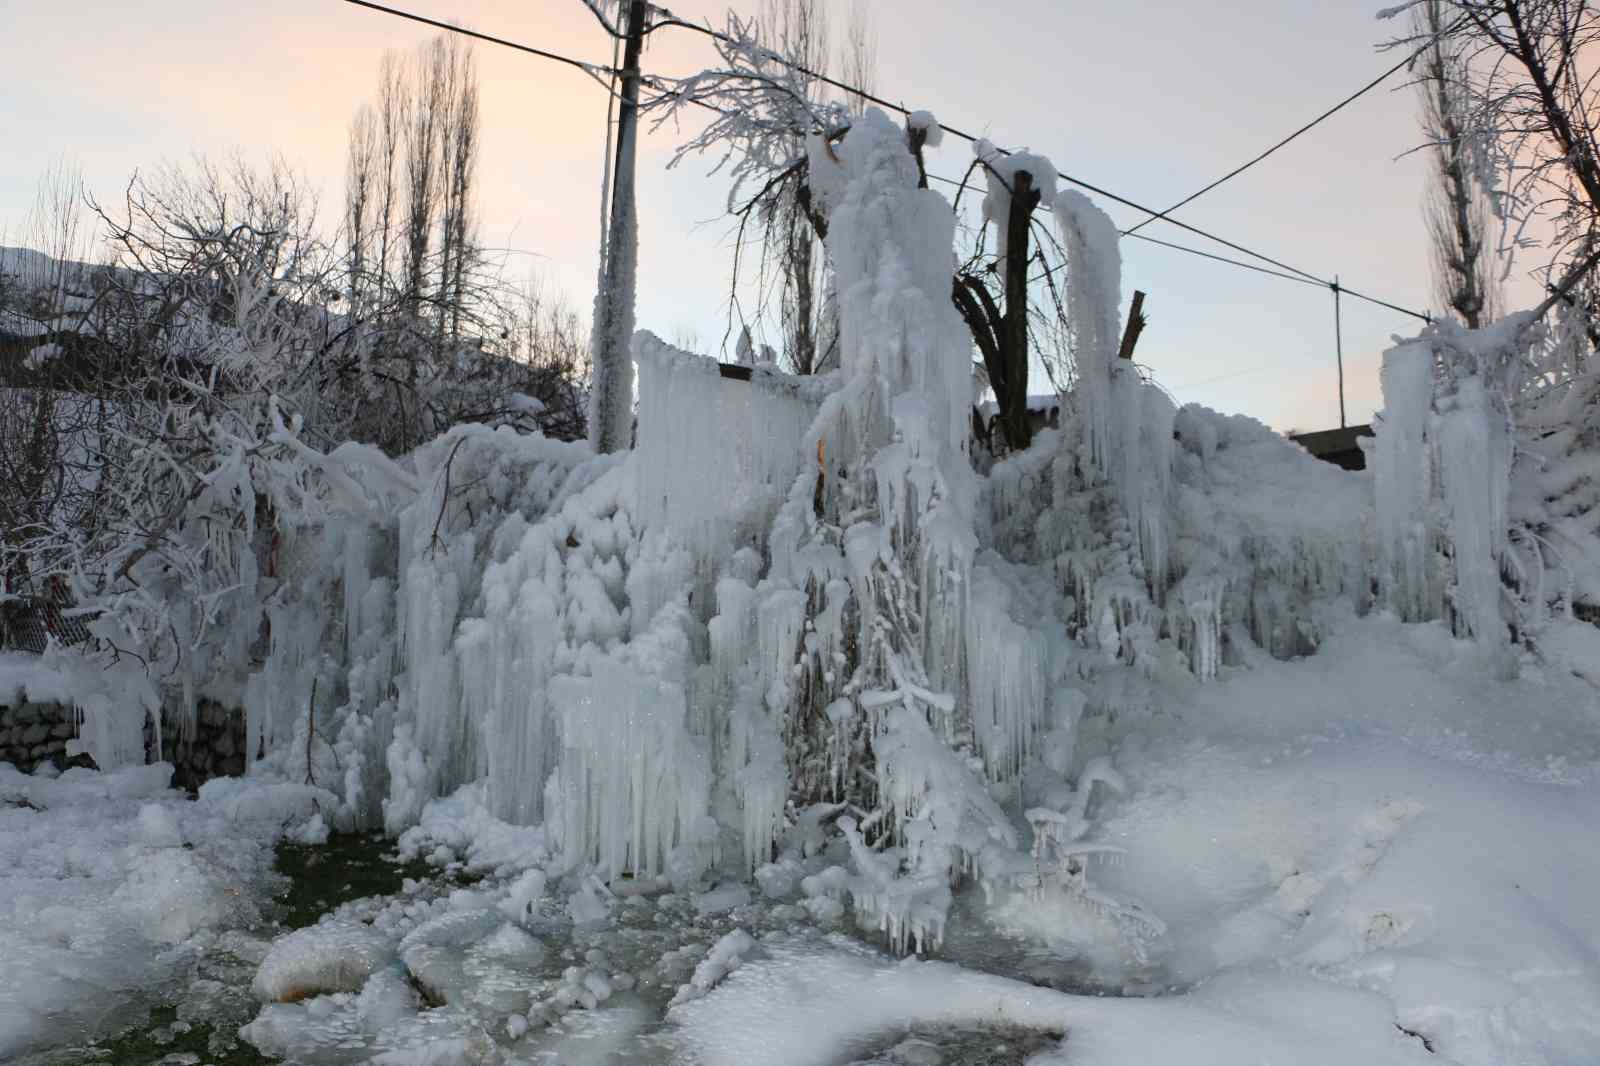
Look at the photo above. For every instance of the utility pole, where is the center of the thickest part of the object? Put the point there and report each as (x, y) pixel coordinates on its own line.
(611, 383)
(1338, 346)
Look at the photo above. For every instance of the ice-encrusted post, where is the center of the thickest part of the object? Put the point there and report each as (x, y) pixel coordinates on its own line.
(611, 385)
(1475, 453)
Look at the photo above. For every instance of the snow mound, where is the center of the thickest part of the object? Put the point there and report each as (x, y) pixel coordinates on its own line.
(817, 1003)
(332, 956)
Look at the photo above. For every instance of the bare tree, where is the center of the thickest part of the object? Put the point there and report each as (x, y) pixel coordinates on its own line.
(1456, 207)
(418, 276)
(858, 61)
(395, 95)
(1001, 327)
(799, 31)
(423, 138)
(458, 222)
(766, 107)
(546, 351)
(768, 115)
(1528, 114)
(363, 187)
(44, 289)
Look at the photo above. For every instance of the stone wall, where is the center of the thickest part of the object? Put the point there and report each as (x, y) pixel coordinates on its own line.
(214, 746)
(32, 733)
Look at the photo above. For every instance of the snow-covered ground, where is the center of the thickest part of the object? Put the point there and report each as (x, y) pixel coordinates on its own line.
(112, 887)
(1360, 856)
(1378, 854)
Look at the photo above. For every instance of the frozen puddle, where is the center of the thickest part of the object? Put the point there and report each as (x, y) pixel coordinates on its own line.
(192, 1016)
(973, 942)
(984, 1045)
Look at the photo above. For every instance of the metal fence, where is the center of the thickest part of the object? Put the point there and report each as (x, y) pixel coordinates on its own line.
(29, 623)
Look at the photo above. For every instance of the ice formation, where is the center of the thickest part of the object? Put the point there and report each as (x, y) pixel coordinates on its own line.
(1442, 479)
(1094, 285)
(793, 618)
(1402, 473)
(715, 491)
(783, 596)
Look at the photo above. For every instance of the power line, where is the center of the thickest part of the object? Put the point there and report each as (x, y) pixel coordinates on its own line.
(1193, 229)
(1381, 303)
(594, 70)
(1315, 282)
(1300, 278)
(1225, 377)
(1236, 171)
(1410, 58)
(1225, 259)
(672, 20)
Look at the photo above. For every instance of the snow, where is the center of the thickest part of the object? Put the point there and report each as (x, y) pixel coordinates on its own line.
(41, 355)
(110, 885)
(835, 1000)
(329, 957)
(1344, 848)
(1001, 170)
(928, 126)
(724, 957)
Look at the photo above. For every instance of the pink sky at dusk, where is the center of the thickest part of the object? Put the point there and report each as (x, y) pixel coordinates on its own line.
(1149, 98)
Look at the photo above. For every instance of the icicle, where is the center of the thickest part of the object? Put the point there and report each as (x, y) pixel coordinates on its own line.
(1007, 672)
(712, 448)
(1402, 476)
(633, 783)
(1094, 281)
(1475, 464)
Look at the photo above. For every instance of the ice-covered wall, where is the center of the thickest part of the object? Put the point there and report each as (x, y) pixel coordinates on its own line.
(716, 455)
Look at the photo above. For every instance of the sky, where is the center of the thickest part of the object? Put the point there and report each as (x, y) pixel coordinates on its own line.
(1149, 99)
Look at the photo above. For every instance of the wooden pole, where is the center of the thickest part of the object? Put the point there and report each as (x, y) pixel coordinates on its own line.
(1014, 341)
(1338, 347)
(1136, 321)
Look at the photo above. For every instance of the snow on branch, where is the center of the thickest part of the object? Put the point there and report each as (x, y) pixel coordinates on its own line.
(763, 108)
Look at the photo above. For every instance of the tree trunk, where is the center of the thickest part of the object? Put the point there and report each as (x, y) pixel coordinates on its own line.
(1014, 338)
